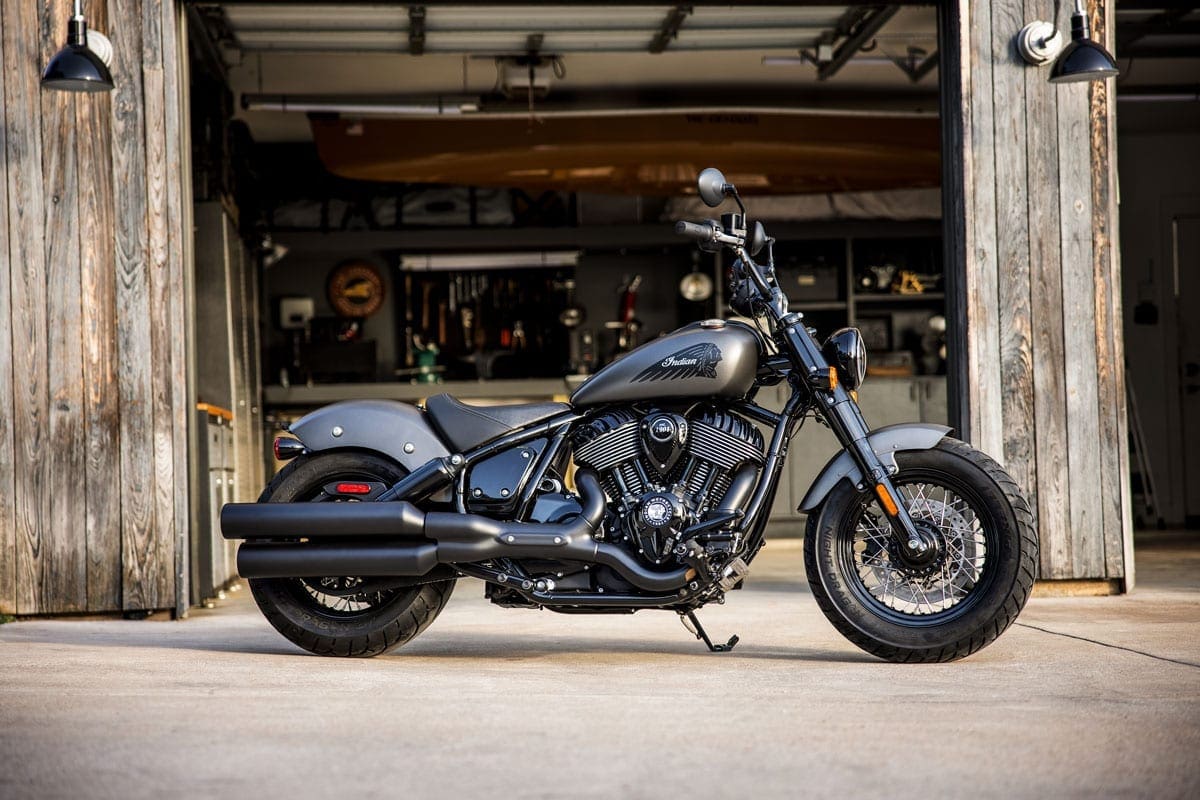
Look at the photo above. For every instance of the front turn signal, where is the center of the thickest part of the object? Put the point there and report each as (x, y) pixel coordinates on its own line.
(885, 497)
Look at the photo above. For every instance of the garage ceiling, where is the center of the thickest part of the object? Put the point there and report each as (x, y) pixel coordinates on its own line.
(506, 30)
(631, 56)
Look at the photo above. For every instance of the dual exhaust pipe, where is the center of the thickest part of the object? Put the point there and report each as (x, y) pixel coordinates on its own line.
(397, 539)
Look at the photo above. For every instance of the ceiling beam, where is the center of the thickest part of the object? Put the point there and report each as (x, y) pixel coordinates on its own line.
(864, 31)
(924, 68)
(1148, 50)
(584, 3)
(670, 28)
(1165, 24)
(416, 30)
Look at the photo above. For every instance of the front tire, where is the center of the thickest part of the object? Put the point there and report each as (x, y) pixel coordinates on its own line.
(323, 615)
(949, 604)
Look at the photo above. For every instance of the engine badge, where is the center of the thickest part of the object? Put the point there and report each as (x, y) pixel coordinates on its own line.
(657, 511)
(665, 438)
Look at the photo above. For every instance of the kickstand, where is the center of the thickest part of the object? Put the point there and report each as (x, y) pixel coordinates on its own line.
(698, 630)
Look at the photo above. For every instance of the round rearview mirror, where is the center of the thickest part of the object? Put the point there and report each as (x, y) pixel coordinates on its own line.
(758, 238)
(711, 184)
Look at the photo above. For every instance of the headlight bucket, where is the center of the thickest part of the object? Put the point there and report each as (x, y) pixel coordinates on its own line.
(844, 350)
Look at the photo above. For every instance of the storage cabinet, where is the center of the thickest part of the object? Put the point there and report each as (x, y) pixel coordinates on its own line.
(213, 558)
(884, 401)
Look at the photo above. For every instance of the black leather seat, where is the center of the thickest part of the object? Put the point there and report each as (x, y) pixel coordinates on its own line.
(465, 427)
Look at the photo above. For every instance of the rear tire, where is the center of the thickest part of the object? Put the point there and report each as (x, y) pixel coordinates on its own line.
(970, 591)
(366, 624)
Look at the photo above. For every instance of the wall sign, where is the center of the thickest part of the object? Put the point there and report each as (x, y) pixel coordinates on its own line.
(355, 289)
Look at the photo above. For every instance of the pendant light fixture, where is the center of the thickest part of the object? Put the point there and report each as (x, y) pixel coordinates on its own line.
(1082, 59)
(77, 67)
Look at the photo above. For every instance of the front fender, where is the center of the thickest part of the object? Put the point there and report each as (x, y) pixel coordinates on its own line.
(397, 430)
(886, 442)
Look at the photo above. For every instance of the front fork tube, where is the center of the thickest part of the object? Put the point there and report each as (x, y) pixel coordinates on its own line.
(846, 420)
(842, 413)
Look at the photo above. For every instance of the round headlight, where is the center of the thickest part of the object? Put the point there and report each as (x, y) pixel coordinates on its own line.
(845, 351)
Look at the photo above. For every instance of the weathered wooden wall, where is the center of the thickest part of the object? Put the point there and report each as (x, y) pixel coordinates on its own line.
(1033, 219)
(93, 411)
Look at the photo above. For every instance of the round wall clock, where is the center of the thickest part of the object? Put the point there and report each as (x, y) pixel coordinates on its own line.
(355, 289)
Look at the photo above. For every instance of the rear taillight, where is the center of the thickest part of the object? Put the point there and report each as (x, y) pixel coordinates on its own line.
(287, 448)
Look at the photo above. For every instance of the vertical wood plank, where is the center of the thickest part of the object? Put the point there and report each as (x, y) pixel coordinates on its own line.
(243, 391)
(174, 71)
(162, 556)
(141, 571)
(1079, 337)
(982, 272)
(1110, 361)
(1012, 245)
(27, 258)
(1051, 500)
(101, 391)
(8, 520)
(954, 75)
(63, 584)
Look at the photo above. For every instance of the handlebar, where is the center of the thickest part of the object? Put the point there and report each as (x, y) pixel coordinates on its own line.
(710, 236)
(700, 231)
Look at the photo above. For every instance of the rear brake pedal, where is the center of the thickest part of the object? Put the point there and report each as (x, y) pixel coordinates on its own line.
(698, 631)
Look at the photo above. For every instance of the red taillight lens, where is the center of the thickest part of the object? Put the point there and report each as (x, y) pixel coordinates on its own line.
(285, 447)
(353, 488)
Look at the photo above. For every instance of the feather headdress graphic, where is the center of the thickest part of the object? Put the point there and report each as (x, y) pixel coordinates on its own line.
(697, 361)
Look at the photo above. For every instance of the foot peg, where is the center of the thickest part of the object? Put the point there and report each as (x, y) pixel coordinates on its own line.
(696, 629)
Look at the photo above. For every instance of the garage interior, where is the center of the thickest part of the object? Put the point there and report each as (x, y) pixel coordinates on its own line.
(394, 201)
(501, 182)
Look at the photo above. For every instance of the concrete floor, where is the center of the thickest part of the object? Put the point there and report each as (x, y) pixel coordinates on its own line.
(1085, 697)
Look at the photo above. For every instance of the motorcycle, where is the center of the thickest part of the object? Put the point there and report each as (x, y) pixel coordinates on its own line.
(650, 489)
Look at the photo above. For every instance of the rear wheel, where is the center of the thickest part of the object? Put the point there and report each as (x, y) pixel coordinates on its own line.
(953, 599)
(342, 615)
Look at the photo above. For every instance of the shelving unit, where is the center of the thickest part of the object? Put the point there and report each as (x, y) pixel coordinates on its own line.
(821, 269)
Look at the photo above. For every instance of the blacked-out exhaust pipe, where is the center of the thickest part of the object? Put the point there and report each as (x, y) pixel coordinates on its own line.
(392, 538)
(321, 520)
(265, 560)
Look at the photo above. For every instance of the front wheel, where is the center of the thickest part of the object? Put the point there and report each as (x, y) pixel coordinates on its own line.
(957, 597)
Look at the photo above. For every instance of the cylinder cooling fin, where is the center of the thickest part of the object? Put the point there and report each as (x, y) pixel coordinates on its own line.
(657, 450)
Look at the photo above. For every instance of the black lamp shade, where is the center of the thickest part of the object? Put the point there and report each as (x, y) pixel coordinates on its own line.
(1082, 59)
(75, 68)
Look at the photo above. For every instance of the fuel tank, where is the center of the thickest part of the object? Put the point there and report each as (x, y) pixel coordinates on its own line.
(714, 358)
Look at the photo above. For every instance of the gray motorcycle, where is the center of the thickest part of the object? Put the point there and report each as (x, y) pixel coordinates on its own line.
(650, 489)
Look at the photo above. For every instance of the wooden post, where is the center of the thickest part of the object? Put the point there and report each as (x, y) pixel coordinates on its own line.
(93, 408)
(8, 513)
(1037, 282)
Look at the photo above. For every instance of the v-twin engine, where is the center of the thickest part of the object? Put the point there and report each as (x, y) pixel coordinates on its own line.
(665, 470)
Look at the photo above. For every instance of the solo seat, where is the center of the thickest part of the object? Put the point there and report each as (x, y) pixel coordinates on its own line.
(466, 427)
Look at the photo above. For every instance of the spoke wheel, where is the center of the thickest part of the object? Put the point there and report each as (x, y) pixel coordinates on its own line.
(342, 615)
(956, 595)
(939, 583)
(336, 596)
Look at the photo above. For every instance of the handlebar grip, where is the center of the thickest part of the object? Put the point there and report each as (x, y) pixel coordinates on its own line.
(700, 231)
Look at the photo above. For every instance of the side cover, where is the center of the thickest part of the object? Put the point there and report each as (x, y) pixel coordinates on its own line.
(397, 430)
(886, 442)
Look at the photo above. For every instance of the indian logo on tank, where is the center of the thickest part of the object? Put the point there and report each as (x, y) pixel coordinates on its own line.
(697, 361)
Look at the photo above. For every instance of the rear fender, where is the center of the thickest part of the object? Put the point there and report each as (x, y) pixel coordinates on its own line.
(397, 430)
(886, 442)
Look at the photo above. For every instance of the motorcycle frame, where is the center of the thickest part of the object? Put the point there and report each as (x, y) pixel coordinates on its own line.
(815, 389)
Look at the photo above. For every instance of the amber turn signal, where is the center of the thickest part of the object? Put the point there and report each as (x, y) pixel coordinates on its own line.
(885, 497)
